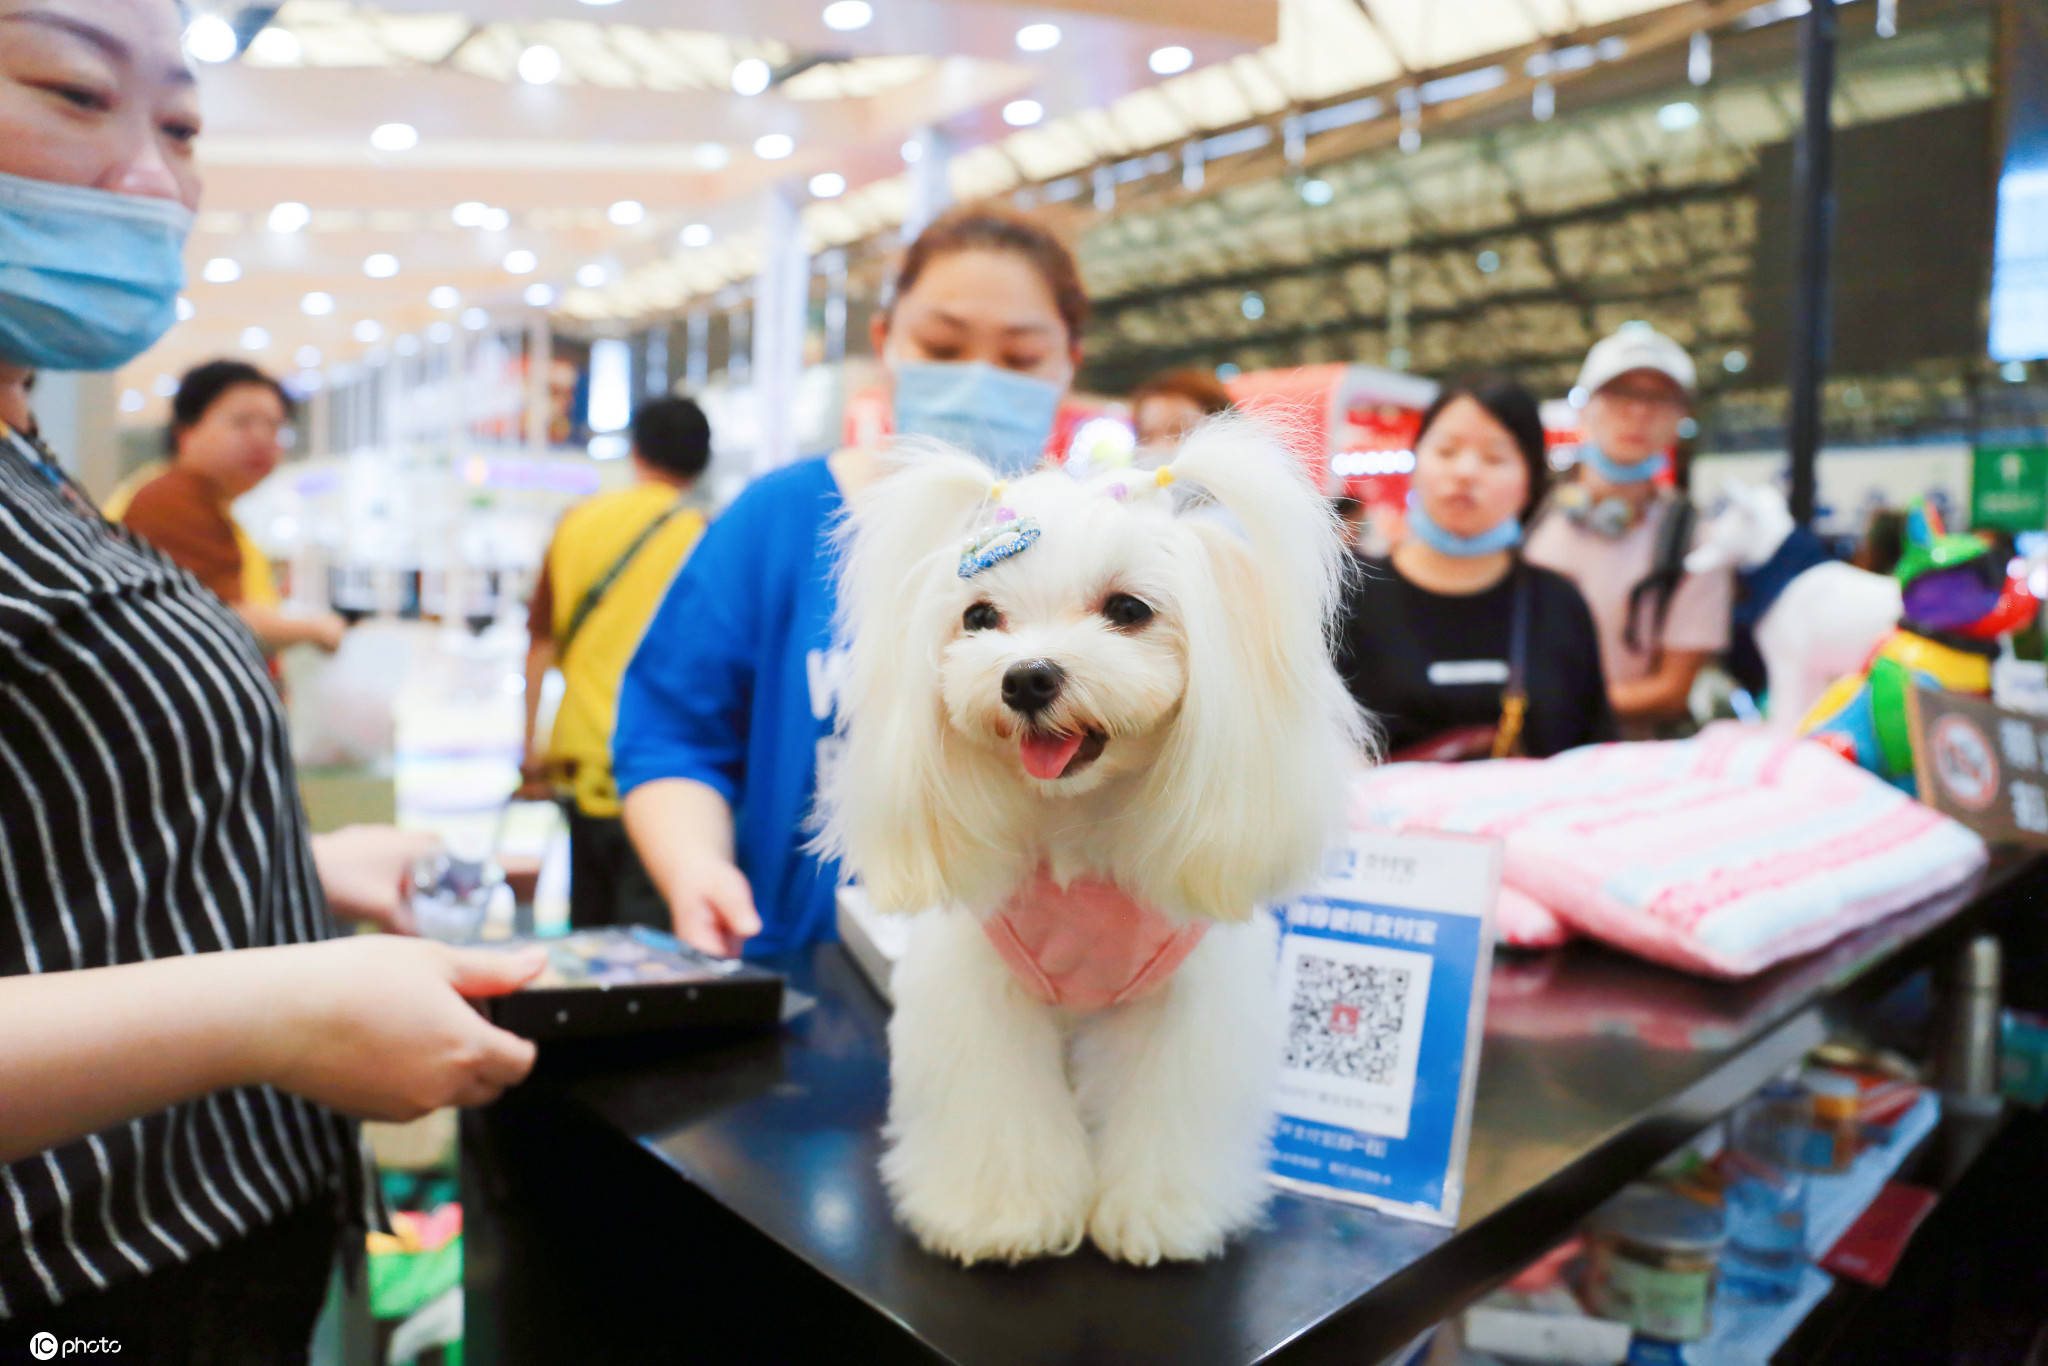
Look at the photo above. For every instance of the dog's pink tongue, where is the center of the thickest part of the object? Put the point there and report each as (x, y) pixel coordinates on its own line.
(1046, 756)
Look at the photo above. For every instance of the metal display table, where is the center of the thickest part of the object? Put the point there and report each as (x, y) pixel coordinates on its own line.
(723, 1204)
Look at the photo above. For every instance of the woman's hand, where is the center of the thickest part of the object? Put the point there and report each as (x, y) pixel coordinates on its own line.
(325, 631)
(381, 1028)
(682, 830)
(366, 872)
(712, 905)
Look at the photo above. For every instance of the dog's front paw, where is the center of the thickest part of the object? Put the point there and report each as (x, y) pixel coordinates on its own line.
(1145, 1221)
(972, 1207)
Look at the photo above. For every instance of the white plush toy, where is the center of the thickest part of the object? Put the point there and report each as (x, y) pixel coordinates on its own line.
(1811, 628)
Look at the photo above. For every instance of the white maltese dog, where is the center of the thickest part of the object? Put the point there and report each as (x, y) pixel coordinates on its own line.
(1094, 729)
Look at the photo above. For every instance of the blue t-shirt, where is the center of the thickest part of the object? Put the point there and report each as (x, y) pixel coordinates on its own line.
(735, 685)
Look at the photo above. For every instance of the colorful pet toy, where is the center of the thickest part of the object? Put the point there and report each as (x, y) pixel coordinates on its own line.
(1957, 600)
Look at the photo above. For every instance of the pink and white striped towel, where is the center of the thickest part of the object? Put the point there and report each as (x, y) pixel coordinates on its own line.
(1721, 855)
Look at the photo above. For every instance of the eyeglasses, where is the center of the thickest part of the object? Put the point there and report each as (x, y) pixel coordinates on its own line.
(1648, 397)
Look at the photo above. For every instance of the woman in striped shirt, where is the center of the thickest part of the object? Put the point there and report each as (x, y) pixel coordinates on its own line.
(179, 1049)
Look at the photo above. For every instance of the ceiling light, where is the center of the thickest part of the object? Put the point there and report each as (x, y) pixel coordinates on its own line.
(221, 270)
(1316, 191)
(496, 220)
(1038, 37)
(440, 333)
(696, 235)
(539, 65)
(318, 304)
(210, 38)
(307, 357)
(750, 76)
(394, 137)
(626, 213)
(165, 386)
(540, 295)
(444, 296)
(289, 216)
(1677, 116)
(470, 213)
(381, 265)
(913, 150)
(475, 319)
(276, 46)
(598, 4)
(590, 276)
(255, 339)
(407, 345)
(711, 156)
(367, 330)
(1023, 113)
(521, 262)
(132, 400)
(844, 16)
(774, 146)
(828, 185)
(184, 309)
(1170, 61)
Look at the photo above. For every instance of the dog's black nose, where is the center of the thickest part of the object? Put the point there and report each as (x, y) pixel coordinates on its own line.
(1030, 687)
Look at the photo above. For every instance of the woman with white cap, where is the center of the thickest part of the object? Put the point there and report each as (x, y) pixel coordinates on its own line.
(1621, 534)
(179, 1051)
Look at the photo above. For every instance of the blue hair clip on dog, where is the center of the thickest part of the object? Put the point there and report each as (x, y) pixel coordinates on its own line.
(1007, 535)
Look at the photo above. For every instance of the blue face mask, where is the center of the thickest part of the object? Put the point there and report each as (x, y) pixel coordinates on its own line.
(89, 279)
(1614, 472)
(1505, 535)
(1002, 418)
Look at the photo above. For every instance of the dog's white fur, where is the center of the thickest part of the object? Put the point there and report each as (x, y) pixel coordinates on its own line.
(1017, 1128)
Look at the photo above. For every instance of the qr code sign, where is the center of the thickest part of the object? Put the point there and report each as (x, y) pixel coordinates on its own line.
(1346, 1019)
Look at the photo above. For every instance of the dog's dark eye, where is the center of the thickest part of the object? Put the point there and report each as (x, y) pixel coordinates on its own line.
(982, 616)
(1126, 611)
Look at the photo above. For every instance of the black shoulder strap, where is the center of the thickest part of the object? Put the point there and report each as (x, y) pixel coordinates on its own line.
(595, 593)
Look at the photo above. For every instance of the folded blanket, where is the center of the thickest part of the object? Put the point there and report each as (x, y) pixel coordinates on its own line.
(1721, 855)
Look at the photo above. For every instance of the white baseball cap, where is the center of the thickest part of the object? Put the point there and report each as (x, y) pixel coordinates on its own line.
(1635, 346)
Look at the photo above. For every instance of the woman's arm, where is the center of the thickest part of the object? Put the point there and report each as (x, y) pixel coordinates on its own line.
(277, 630)
(374, 1027)
(679, 750)
(682, 830)
(1663, 696)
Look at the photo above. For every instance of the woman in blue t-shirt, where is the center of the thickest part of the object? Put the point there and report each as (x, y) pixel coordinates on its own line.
(729, 701)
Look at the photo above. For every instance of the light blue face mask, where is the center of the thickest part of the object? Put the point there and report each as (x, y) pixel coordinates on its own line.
(89, 279)
(1001, 417)
(1604, 465)
(1505, 535)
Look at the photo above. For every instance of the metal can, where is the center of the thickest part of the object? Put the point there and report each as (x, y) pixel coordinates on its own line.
(1653, 1262)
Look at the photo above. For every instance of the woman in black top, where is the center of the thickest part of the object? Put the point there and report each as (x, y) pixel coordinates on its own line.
(180, 1051)
(1427, 636)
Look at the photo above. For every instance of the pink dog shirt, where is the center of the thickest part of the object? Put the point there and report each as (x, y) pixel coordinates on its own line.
(1088, 945)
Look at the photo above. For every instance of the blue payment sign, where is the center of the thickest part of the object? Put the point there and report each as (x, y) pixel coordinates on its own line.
(1383, 971)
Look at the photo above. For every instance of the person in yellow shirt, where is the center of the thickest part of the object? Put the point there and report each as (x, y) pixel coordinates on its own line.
(606, 571)
(226, 422)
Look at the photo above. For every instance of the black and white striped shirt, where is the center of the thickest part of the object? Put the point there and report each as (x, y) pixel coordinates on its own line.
(148, 808)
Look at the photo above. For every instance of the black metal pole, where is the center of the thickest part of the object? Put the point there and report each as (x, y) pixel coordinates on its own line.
(1813, 199)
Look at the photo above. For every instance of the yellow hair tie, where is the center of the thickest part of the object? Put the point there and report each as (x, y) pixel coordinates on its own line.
(997, 489)
(1162, 476)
